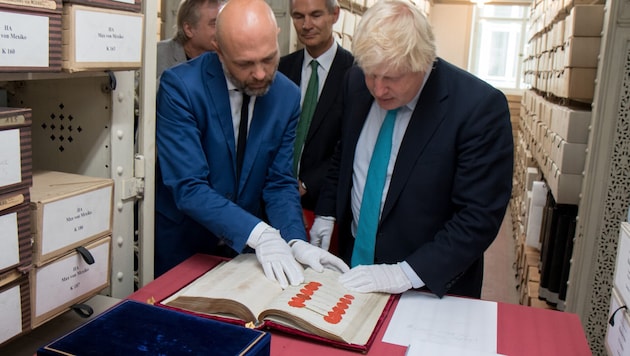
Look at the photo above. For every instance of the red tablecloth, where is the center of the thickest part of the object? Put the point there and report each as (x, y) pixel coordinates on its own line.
(521, 330)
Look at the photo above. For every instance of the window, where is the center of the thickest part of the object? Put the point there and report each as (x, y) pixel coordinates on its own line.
(498, 45)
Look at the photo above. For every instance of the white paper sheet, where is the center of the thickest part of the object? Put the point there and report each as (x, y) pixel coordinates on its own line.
(433, 326)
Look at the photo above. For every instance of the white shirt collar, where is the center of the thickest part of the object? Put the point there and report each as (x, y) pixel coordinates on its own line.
(325, 60)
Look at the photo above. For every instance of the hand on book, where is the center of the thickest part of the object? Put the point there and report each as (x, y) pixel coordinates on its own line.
(316, 258)
(321, 231)
(276, 258)
(376, 278)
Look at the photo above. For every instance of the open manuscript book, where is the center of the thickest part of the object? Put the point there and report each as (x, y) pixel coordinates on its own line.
(320, 308)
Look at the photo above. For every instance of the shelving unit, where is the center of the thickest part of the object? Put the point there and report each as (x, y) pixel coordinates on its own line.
(102, 124)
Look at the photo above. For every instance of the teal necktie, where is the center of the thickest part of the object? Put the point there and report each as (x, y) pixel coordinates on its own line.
(308, 108)
(363, 252)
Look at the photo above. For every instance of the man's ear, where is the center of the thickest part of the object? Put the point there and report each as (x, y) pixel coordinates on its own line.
(188, 30)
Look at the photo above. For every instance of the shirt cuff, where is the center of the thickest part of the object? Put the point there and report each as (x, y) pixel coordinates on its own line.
(254, 235)
(415, 280)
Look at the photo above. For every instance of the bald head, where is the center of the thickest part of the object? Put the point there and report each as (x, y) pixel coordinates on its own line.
(247, 44)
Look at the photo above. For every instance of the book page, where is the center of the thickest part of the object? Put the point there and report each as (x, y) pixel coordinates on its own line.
(238, 287)
(324, 307)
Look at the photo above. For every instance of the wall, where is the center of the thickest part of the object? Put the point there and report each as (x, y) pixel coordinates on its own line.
(452, 25)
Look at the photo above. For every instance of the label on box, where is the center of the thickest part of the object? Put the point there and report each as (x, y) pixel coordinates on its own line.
(11, 311)
(42, 4)
(10, 162)
(107, 37)
(12, 120)
(70, 278)
(126, 1)
(70, 220)
(23, 40)
(9, 243)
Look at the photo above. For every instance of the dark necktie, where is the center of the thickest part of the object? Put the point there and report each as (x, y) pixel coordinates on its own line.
(363, 252)
(242, 136)
(308, 108)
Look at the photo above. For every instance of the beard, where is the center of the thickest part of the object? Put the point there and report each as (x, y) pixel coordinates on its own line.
(244, 85)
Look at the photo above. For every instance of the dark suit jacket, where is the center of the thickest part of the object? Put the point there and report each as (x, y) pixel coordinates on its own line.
(451, 183)
(198, 200)
(325, 128)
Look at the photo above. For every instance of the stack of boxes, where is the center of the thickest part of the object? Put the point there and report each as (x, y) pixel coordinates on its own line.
(71, 223)
(555, 117)
(73, 35)
(15, 236)
(55, 227)
(618, 328)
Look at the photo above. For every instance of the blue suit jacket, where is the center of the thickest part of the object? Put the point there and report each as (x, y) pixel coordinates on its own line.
(199, 204)
(451, 182)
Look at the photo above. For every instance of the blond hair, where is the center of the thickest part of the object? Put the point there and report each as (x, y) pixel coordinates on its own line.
(395, 33)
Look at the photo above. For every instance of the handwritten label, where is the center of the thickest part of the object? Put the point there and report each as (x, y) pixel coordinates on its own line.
(23, 40)
(12, 120)
(42, 4)
(107, 37)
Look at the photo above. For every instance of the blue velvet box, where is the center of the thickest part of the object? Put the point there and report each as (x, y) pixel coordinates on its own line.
(133, 328)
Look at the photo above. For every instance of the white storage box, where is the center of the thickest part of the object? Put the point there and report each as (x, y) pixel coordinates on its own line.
(101, 39)
(68, 280)
(67, 211)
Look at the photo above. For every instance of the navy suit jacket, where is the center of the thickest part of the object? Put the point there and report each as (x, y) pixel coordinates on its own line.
(451, 182)
(325, 128)
(199, 203)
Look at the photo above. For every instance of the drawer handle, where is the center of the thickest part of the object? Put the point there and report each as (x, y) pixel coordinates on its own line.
(84, 310)
(87, 256)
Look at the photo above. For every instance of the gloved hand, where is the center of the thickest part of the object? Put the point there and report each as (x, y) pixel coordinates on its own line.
(276, 258)
(376, 278)
(321, 231)
(316, 258)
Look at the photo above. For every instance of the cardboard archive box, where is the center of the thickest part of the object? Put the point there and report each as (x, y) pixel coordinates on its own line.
(51, 6)
(16, 158)
(14, 308)
(125, 5)
(621, 279)
(68, 211)
(101, 39)
(30, 38)
(618, 327)
(68, 280)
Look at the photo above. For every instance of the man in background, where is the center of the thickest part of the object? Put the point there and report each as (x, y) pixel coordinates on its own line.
(319, 126)
(225, 129)
(196, 26)
(423, 175)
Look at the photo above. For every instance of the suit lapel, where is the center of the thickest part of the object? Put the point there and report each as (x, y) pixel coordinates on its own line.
(429, 113)
(329, 94)
(217, 94)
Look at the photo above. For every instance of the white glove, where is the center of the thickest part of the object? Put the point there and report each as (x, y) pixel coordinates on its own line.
(274, 254)
(316, 258)
(376, 278)
(321, 231)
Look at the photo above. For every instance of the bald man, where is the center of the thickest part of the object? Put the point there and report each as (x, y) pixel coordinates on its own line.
(225, 129)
